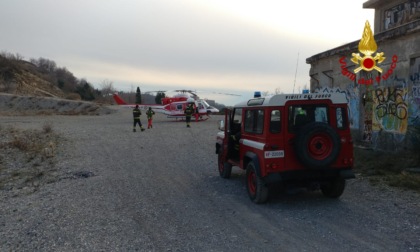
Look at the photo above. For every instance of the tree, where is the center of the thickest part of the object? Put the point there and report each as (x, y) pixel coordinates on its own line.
(278, 91)
(159, 96)
(11, 56)
(45, 65)
(9, 69)
(265, 93)
(107, 87)
(138, 96)
(85, 90)
(106, 91)
(66, 80)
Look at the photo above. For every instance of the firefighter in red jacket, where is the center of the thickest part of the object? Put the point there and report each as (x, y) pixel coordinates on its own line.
(136, 117)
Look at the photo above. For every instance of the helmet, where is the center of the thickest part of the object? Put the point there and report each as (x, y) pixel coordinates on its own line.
(137, 106)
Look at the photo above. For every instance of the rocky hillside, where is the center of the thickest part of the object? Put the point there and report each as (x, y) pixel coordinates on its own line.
(40, 105)
(20, 77)
(27, 89)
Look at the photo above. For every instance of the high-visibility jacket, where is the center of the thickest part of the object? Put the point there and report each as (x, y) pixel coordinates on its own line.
(150, 113)
(136, 113)
(189, 111)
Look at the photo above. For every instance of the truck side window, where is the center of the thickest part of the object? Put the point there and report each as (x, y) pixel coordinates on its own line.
(237, 121)
(275, 121)
(254, 121)
(321, 114)
(341, 118)
(237, 116)
(298, 117)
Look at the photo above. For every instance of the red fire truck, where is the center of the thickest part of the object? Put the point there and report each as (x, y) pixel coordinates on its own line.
(298, 140)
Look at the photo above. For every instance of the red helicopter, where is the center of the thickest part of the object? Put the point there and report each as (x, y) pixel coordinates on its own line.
(174, 106)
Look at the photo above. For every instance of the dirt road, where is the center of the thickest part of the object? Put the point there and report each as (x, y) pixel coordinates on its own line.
(159, 190)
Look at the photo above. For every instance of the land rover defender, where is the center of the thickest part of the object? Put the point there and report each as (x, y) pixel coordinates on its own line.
(300, 140)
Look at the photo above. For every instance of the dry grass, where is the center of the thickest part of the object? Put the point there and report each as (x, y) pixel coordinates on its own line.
(47, 128)
(27, 157)
(388, 167)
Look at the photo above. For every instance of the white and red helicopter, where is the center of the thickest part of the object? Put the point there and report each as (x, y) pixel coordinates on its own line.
(174, 106)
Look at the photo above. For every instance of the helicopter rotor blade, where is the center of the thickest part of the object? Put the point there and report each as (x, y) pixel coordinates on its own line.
(226, 94)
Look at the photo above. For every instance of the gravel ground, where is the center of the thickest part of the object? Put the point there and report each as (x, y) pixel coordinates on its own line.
(159, 190)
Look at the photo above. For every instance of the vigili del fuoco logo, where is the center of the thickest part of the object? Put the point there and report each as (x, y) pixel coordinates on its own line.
(367, 59)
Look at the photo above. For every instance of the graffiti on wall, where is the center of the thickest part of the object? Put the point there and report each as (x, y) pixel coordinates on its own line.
(416, 92)
(414, 110)
(401, 14)
(367, 114)
(415, 78)
(352, 96)
(352, 93)
(390, 109)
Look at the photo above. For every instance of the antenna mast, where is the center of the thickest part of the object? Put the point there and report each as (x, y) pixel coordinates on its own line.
(294, 82)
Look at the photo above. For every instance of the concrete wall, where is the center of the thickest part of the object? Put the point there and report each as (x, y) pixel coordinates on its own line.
(384, 107)
(390, 14)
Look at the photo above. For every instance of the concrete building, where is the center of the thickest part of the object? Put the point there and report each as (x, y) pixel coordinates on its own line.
(383, 90)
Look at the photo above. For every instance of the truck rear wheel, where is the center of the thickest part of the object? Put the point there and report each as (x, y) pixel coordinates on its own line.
(317, 145)
(334, 188)
(225, 169)
(257, 189)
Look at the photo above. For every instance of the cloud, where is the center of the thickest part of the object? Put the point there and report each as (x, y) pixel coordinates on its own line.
(193, 44)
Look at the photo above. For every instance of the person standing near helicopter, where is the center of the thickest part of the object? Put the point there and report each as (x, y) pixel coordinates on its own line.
(136, 117)
(189, 110)
(149, 114)
(196, 114)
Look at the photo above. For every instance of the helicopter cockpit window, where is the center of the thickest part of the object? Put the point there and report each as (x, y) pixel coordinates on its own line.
(205, 104)
(179, 106)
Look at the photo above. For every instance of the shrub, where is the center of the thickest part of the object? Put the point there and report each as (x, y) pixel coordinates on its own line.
(47, 127)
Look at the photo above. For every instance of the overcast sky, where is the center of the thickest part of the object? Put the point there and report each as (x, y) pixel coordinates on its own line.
(212, 46)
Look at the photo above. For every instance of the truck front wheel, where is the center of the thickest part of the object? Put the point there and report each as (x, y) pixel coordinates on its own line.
(257, 189)
(225, 169)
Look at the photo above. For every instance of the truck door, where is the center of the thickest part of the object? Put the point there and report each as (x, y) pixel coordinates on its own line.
(233, 135)
(275, 144)
(226, 130)
(297, 116)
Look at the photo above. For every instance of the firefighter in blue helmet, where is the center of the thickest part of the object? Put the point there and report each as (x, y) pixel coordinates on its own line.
(136, 117)
(189, 110)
